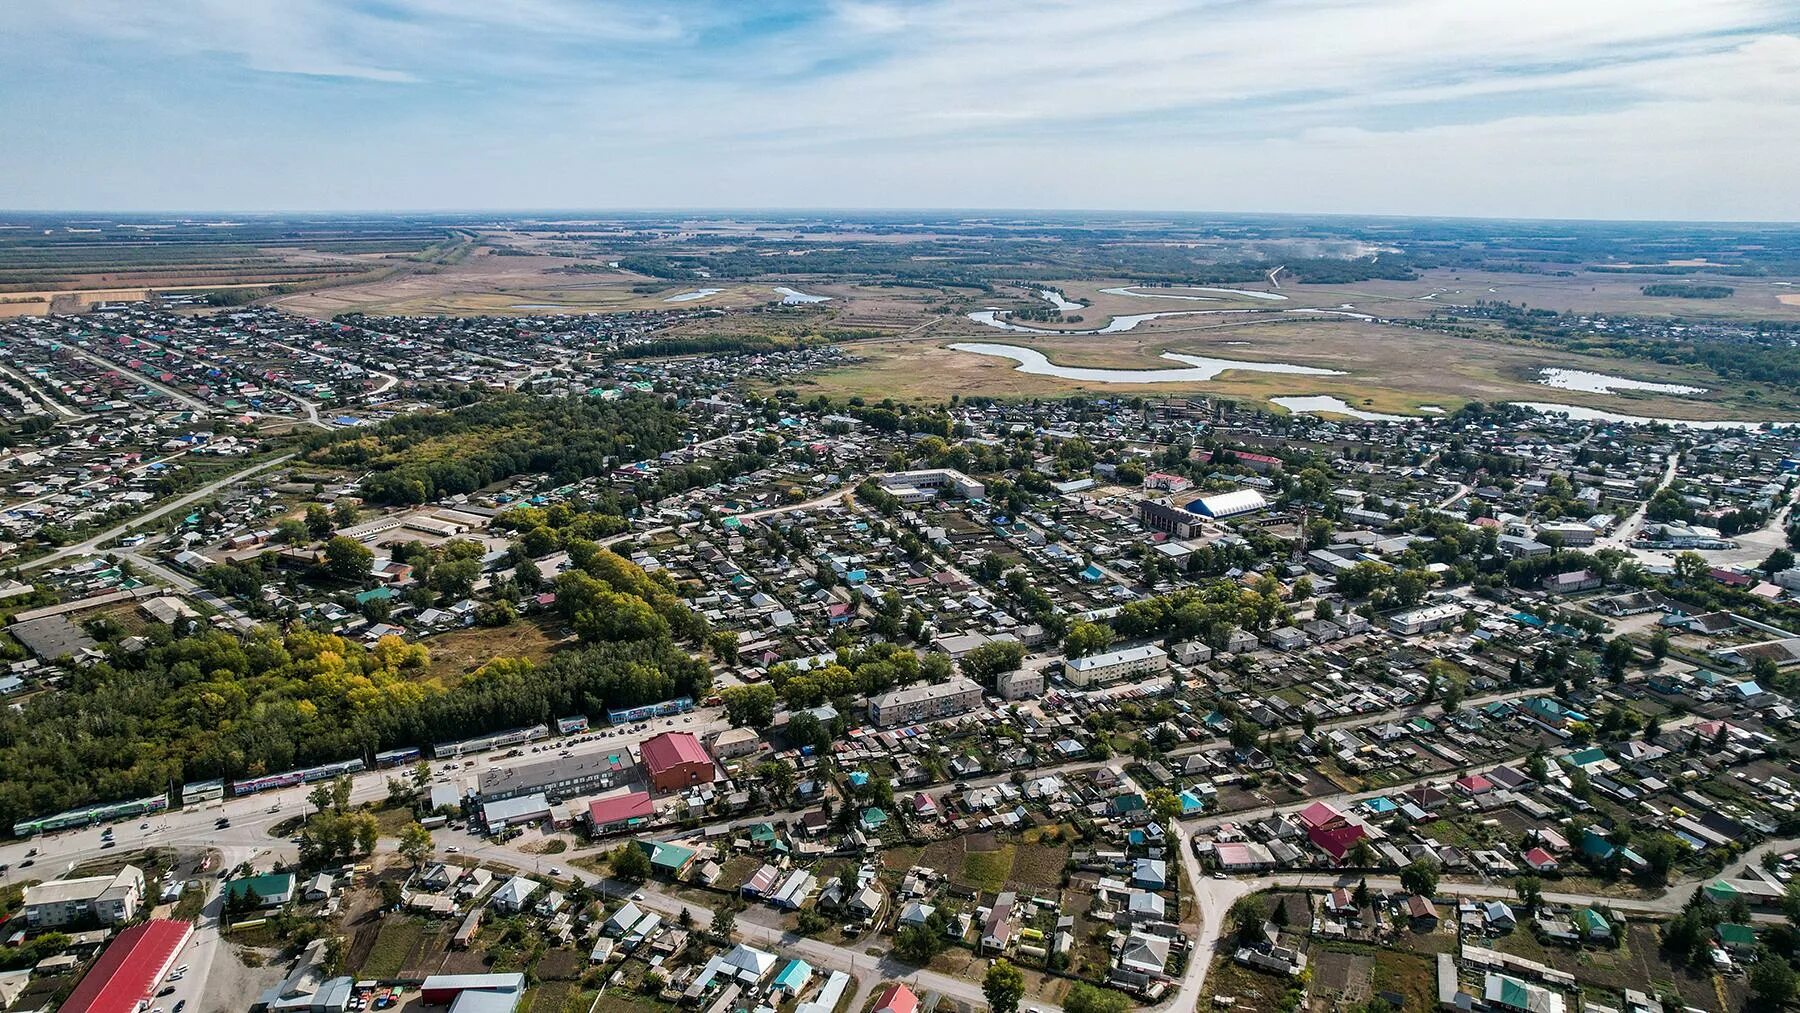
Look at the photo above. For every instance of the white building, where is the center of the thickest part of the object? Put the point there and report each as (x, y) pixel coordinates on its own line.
(1099, 669)
(109, 900)
(1424, 620)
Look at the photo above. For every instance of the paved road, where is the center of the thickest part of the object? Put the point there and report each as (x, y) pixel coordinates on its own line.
(31, 388)
(180, 395)
(1627, 530)
(90, 545)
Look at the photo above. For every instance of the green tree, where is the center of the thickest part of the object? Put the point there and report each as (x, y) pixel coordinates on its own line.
(318, 521)
(917, 944)
(1772, 980)
(1004, 986)
(1530, 891)
(989, 660)
(629, 862)
(749, 706)
(1086, 998)
(415, 843)
(345, 513)
(348, 559)
(1085, 638)
(724, 923)
(1421, 877)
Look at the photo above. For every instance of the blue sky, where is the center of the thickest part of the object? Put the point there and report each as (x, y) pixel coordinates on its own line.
(1544, 108)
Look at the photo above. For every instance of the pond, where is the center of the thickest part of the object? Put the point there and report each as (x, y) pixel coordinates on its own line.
(1118, 325)
(1168, 293)
(699, 293)
(1200, 368)
(1584, 414)
(795, 297)
(1605, 383)
(1324, 404)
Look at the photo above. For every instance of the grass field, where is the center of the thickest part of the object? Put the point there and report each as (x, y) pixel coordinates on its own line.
(1411, 975)
(398, 941)
(460, 652)
(1385, 368)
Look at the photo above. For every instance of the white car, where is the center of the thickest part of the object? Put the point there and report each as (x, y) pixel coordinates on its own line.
(452, 849)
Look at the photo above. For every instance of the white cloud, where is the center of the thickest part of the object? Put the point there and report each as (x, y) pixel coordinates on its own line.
(1445, 106)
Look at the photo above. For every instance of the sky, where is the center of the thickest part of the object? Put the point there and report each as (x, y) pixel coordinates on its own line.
(1635, 109)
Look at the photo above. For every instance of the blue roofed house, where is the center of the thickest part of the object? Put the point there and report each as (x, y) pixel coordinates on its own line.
(1150, 873)
(793, 978)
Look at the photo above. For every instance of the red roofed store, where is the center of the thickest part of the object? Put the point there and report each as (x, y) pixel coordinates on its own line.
(675, 760)
(130, 969)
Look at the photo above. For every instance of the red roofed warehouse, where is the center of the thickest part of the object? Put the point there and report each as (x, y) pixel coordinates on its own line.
(609, 814)
(675, 760)
(130, 968)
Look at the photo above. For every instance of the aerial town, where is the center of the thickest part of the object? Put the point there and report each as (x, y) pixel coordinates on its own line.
(485, 662)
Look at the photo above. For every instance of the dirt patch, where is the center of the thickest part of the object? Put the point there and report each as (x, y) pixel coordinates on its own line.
(460, 652)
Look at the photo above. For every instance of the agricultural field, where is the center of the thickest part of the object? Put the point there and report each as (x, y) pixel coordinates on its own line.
(63, 265)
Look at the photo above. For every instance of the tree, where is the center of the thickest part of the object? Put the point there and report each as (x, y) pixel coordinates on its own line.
(292, 531)
(1772, 981)
(1619, 654)
(1530, 891)
(1163, 803)
(345, 513)
(1004, 986)
(318, 521)
(348, 559)
(989, 660)
(1085, 638)
(1659, 645)
(1086, 998)
(415, 843)
(630, 863)
(363, 831)
(917, 944)
(1779, 560)
(1421, 877)
(1690, 567)
(724, 923)
(1248, 915)
(749, 706)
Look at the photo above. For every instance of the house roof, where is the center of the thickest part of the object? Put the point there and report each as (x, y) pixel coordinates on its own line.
(1336, 841)
(1320, 815)
(896, 998)
(636, 805)
(672, 749)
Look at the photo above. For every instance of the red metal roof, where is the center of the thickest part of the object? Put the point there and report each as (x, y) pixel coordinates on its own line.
(897, 998)
(130, 968)
(671, 749)
(625, 807)
(1336, 841)
(1320, 815)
